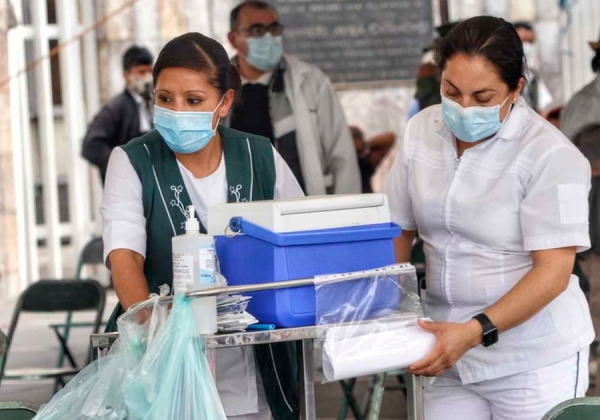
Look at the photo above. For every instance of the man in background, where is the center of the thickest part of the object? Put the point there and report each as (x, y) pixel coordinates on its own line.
(292, 103)
(127, 116)
(428, 76)
(584, 107)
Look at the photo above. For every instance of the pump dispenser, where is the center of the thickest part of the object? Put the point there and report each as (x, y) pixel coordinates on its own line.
(194, 265)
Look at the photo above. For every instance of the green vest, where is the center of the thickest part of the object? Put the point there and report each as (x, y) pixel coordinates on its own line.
(250, 168)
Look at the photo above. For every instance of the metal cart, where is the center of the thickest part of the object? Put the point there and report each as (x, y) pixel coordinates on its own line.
(101, 343)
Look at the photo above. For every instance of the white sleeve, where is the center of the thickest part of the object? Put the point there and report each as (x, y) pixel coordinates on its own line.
(286, 184)
(122, 208)
(554, 211)
(396, 188)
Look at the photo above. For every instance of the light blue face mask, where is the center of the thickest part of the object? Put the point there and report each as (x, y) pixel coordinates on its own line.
(265, 52)
(474, 123)
(185, 132)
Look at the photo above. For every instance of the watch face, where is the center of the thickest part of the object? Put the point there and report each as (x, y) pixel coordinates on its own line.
(490, 337)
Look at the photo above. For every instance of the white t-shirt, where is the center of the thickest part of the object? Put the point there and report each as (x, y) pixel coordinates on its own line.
(125, 227)
(480, 216)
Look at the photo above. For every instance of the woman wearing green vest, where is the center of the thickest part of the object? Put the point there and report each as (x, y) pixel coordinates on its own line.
(191, 159)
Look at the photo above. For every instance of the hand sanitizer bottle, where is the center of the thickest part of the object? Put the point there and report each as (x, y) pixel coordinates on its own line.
(194, 266)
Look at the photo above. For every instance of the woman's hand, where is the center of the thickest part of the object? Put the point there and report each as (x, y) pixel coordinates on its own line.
(452, 341)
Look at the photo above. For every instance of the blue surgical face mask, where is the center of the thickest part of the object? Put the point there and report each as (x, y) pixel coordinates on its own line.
(265, 52)
(474, 123)
(185, 132)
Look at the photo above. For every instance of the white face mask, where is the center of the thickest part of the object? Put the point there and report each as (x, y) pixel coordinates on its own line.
(141, 85)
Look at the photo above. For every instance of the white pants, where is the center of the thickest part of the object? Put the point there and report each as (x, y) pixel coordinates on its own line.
(525, 396)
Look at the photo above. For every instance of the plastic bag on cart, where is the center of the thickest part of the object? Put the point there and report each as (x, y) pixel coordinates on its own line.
(173, 379)
(367, 322)
(96, 393)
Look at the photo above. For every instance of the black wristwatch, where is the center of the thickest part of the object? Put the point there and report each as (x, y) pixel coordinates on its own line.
(490, 332)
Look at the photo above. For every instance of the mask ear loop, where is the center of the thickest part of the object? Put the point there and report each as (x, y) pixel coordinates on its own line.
(512, 105)
(219, 118)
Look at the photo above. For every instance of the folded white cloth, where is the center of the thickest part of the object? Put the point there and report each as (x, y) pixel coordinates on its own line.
(350, 356)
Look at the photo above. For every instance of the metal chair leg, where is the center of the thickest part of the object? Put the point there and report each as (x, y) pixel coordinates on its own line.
(377, 398)
(349, 400)
(65, 334)
(58, 384)
(65, 349)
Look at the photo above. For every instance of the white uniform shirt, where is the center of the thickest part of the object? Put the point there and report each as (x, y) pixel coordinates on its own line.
(480, 217)
(125, 227)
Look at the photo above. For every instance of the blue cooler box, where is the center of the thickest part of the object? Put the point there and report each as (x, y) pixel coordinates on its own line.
(257, 254)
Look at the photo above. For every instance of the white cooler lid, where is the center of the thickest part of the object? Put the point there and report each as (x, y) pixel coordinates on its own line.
(302, 214)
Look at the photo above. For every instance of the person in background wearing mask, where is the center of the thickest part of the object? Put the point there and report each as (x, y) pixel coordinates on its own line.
(127, 116)
(499, 197)
(536, 92)
(584, 107)
(588, 142)
(428, 77)
(292, 103)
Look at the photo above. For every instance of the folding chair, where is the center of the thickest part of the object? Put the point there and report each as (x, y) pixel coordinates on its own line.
(53, 296)
(371, 405)
(93, 253)
(576, 409)
(16, 411)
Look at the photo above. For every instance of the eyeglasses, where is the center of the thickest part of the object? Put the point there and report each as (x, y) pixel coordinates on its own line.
(258, 30)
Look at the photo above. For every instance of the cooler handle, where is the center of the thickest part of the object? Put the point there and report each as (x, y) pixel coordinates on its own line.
(360, 233)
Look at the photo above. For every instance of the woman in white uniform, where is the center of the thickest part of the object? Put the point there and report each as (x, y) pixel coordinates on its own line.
(499, 197)
(190, 159)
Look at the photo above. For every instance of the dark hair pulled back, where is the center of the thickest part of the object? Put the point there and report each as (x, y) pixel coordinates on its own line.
(492, 38)
(200, 53)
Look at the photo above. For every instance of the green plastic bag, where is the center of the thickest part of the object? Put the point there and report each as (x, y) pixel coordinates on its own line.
(157, 369)
(173, 379)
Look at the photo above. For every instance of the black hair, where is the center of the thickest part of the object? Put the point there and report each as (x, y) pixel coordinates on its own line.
(136, 56)
(200, 53)
(523, 25)
(492, 38)
(596, 62)
(234, 16)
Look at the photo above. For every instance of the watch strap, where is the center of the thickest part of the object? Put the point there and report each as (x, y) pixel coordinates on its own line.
(485, 322)
(490, 332)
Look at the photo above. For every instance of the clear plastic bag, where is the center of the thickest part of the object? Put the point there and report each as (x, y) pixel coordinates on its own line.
(367, 322)
(156, 369)
(95, 393)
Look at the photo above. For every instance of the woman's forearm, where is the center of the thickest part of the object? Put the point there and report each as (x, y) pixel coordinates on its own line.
(403, 246)
(548, 278)
(130, 283)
